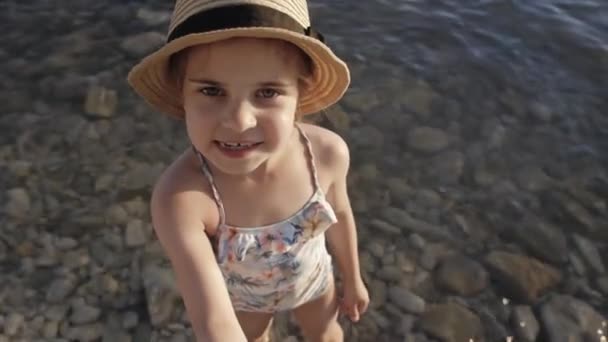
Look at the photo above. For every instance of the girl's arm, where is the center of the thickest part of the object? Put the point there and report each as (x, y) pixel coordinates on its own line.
(182, 235)
(342, 236)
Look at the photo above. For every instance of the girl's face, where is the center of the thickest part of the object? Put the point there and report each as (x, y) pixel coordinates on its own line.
(240, 98)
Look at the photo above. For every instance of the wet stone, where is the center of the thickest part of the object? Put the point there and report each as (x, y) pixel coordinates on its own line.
(385, 227)
(451, 322)
(13, 324)
(143, 43)
(462, 275)
(60, 289)
(85, 333)
(406, 300)
(566, 318)
(152, 18)
(522, 277)
(101, 102)
(83, 313)
(427, 139)
(19, 203)
(135, 234)
(417, 241)
(544, 240)
(590, 253)
(525, 324)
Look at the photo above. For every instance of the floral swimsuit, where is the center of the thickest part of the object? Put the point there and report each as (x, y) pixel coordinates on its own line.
(278, 266)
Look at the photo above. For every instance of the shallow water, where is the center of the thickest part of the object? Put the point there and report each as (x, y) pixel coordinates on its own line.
(479, 177)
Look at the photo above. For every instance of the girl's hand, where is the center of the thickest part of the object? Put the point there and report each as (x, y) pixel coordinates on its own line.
(355, 300)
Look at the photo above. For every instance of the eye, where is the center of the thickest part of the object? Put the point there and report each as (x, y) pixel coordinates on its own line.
(268, 93)
(211, 91)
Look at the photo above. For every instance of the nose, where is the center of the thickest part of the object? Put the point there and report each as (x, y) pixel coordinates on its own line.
(239, 117)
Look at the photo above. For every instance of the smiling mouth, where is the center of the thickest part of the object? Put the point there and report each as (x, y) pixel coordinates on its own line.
(237, 146)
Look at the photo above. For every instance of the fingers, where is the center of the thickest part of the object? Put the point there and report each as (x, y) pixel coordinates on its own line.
(362, 306)
(354, 314)
(351, 310)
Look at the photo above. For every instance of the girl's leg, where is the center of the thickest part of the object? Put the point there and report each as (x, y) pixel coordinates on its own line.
(319, 319)
(255, 325)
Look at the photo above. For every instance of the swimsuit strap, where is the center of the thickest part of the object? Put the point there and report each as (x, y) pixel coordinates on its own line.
(209, 176)
(311, 158)
(216, 195)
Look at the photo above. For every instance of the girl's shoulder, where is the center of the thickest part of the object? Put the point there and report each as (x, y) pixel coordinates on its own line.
(181, 190)
(330, 150)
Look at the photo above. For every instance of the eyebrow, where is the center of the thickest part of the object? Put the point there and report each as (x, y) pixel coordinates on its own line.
(274, 84)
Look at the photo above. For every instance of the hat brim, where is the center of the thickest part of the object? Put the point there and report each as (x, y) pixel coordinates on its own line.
(330, 79)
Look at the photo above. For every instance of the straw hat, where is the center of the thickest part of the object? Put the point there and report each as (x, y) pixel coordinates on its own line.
(205, 21)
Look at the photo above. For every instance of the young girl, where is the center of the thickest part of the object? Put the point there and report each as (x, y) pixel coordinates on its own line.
(245, 213)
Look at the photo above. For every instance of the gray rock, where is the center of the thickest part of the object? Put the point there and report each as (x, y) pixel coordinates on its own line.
(104, 182)
(406, 300)
(494, 132)
(590, 253)
(446, 168)
(376, 248)
(378, 293)
(406, 324)
(85, 333)
(427, 139)
(65, 243)
(50, 329)
(494, 330)
(399, 189)
(70, 87)
(566, 319)
(541, 111)
(417, 337)
(401, 218)
(130, 320)
(521, 277)
(83, 313)
(602, 284)
(543, 240)
(385, 227)
(533, 178)
(561, 205)
(117, 215)
(381, 321)
(389, 273)
(135, 234)
(19, 203)
(452, 322)
(428, 198)
(20, 168)
(13, 324)
(462, 275)
(152, 18)
(419, 97)
(116, 335)
(367, 137)
(56, 312)
(140, 176)
(405, 263)
(143, 43)
(3, 251)
(101, 102)
(60, 289)
(161, 293)
(428, 259)
(524, 323)
(417, 241)
(577, 264)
